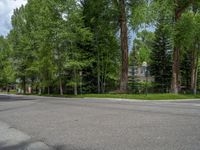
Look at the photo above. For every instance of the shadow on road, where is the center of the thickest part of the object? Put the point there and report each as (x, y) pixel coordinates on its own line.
(25, 146)
(69, 147)
(20, 146)
(7, 98)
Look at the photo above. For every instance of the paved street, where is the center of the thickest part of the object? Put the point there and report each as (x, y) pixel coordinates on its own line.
(42, 123)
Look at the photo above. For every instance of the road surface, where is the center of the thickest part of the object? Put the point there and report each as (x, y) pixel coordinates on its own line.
(43, 123)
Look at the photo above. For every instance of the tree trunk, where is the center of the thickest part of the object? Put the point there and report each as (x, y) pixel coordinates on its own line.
(24, 84)
(105, 74)
(75, 89)
(124, 47)
(48, 88)
(61, 88)
(175, 85)
(194, 67)
(75, 82)
(81, 83)
(194, 71)
(40, 91)
(7, 88)
(104, 87)
(98, 74)
(194, 76)
(176, 71)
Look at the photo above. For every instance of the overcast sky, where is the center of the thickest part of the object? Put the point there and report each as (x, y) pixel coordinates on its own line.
(6, 11)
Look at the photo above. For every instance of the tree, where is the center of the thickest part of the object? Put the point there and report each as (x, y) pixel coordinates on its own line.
(160, 66)
(20, 44)
(195, 48)
(77, 35)
(60, 45)
(188, 24)
(124, 45)
(121, 6)
(180, 7)
(6, 73)
(141, 48)
(175, 9)
(100, 18)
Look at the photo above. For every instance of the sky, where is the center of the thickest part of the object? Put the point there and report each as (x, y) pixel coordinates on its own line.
(6, 10)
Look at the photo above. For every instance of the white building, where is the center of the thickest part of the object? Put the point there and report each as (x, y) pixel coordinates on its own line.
(140, 74)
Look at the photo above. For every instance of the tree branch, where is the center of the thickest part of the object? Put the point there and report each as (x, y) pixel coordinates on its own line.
(180, 8)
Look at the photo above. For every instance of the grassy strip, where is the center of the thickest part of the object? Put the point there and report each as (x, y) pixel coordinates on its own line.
(10, 92)
(126, 96)
(132, 96)
(143, 96)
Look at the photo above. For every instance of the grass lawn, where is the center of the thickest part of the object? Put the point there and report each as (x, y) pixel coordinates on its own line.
(124, 96)
(143, 96)
(5, 92)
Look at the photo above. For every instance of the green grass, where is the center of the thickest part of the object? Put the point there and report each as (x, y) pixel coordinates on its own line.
(143, 96)
(133, 96)
(125, 96)
(11, 92)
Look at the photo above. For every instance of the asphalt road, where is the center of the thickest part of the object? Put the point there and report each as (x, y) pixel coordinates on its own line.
(39, 123)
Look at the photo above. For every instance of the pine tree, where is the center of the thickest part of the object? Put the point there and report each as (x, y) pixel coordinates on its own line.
(161, 56)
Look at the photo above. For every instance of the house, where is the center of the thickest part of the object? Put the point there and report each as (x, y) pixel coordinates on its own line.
(140, 74)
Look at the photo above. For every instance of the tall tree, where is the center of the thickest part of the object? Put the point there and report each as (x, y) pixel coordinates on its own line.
(76, 36)
(7, 72)
(121, 6)
(20, 44)
(195, 48)
(124, 45)
(100, 17)
(180, 7)
(160, 66)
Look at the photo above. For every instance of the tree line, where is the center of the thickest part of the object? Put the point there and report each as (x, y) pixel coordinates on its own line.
(71, 46)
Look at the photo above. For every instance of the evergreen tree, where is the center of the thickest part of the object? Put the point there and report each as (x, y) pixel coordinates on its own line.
(161, 65)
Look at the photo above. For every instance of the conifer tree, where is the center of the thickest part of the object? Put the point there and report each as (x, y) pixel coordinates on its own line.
(161, 56)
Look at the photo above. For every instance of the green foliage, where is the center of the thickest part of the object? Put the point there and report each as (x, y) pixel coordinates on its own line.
(161, 58)
(142, 13)
(141, 48)
(187, 26)
(52, 40)
(100, 17)
(62, 45)
(6, 73)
